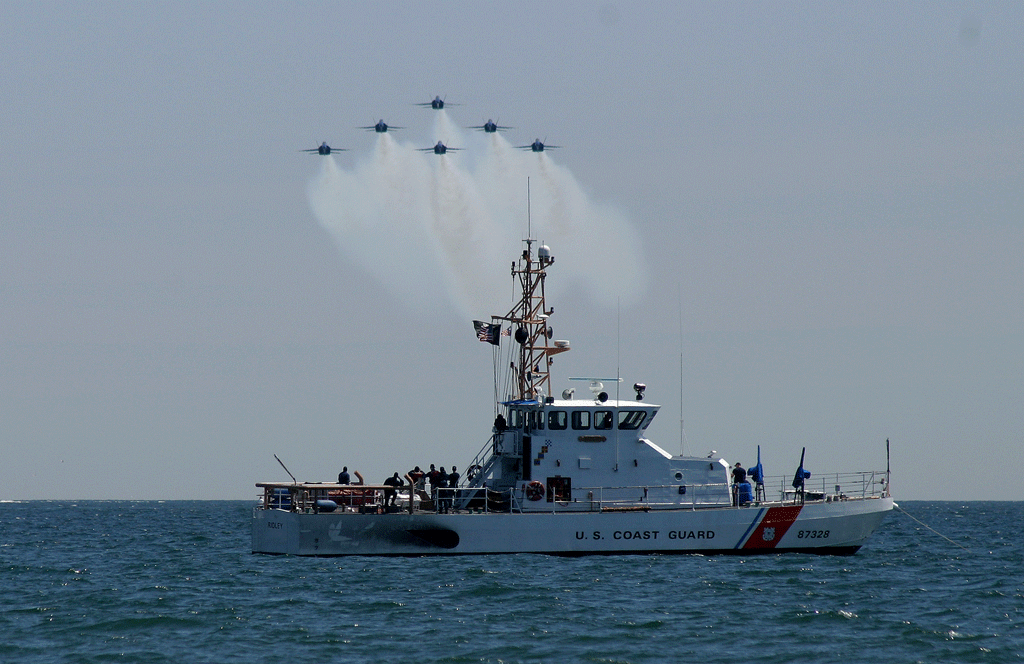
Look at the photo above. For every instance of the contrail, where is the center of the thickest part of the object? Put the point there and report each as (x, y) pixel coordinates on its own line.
(429, 226)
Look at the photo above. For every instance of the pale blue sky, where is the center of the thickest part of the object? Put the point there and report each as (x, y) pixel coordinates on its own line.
(827, 196)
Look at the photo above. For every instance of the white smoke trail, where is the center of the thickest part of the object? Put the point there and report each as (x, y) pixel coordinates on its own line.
(374, 214)
(428, 225)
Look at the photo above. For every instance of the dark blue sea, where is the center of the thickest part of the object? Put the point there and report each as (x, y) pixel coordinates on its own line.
(95, 581)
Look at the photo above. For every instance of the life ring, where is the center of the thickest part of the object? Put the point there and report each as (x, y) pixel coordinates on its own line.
(535, 490)
(472, 472)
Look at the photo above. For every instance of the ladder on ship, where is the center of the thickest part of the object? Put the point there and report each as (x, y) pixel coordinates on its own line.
(477, 472)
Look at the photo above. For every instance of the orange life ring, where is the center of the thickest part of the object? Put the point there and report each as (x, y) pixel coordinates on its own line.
(535, 490)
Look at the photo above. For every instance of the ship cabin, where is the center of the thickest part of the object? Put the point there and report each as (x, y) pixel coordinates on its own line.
(585, 454)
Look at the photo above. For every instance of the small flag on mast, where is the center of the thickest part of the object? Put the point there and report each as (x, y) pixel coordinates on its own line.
(487, 332)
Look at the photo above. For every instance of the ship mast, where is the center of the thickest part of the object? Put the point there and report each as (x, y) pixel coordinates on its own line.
(530, 329)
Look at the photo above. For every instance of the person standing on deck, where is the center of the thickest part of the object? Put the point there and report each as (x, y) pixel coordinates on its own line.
(432, 479)
(343, 477)
(739, 476)
(442, 483)
(453, 484)
(391, 494)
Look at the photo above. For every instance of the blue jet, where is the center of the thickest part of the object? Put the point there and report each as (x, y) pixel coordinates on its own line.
(439, 148)
(381, 127)
(537, 146)
(324, 149)
(437, 104)
(490, 127)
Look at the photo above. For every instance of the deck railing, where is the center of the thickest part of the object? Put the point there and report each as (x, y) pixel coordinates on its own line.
(827, 487)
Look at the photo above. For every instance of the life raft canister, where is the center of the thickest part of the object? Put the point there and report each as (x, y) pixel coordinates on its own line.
(535, 490)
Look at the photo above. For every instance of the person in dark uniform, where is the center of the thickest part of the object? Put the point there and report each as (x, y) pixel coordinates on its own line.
(343, 477)
(391, 494)
(453, 483)
(442, 483)
(432, 480)
(739, 476)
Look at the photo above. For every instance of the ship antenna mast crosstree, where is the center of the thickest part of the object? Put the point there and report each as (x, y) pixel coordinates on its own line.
(529, 320)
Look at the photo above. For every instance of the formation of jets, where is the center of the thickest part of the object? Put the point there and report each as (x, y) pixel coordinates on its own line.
(437, 103)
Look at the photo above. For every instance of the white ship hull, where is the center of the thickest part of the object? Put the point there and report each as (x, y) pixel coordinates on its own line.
(839, 527)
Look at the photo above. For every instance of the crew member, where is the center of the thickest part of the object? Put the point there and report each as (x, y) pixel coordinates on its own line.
(739, 476)
(432, 479)
(390, 495)
(442, 483)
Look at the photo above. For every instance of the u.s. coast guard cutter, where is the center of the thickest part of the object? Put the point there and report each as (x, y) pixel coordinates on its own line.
(573, 475)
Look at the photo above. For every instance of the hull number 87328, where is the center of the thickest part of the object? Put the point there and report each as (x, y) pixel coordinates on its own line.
(812, 534)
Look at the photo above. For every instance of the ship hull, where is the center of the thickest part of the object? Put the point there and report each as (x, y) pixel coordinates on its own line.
(839, 528)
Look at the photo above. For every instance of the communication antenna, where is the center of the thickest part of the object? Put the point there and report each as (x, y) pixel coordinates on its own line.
(286, 469)
(618, 372)
(529, 211)
(682, 429)
(888, 491)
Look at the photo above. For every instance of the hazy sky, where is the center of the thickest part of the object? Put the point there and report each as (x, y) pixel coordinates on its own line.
(800, 224)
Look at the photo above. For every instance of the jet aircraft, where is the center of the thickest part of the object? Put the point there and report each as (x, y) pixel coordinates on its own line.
(490, 127)
(324, 149)
(439, 148)
(381, 127)
(437, 104)
(537, 146)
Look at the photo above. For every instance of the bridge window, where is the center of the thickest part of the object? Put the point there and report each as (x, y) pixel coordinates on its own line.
(557, 419)
(581, 419)
(631, 419)
(603, 419)
(515, 418)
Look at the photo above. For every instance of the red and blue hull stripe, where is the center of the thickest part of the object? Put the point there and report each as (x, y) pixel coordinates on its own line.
(769, 527)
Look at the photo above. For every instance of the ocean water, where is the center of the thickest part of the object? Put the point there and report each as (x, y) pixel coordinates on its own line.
(175, 582)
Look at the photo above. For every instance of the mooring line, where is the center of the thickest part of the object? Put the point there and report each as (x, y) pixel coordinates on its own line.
(930, 528)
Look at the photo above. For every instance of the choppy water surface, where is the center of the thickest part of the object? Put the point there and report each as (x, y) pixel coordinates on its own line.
(175, 582)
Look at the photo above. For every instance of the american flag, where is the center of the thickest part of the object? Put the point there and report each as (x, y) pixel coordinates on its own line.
(487, 332)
